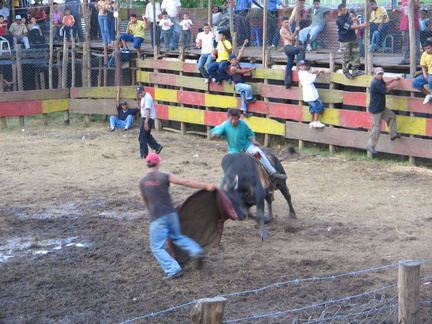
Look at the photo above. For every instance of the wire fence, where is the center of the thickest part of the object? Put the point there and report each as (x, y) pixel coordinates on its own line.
(375, 306)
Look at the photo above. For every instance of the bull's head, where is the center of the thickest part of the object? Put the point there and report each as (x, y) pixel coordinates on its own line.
(231, 190)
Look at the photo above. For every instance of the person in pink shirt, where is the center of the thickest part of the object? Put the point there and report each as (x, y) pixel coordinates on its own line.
(405, 31)
(57, 21)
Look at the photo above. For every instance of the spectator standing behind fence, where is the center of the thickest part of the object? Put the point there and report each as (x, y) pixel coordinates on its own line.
(272, 19)
(289, 49)
(238, 76)
(18, 31)
(151, 19)
(377, 107)
(4, 11)
(242, 21)
(111, 21)
(308, 35)
(103, 23)
(425, 26)
(135, 32)
(186, 25)
(68, 24)
(404, 27)
(218, 69)
(310, 93)
(379, 21)
(124, 119)
(426, 76)
(148, 115)
(94, 25)
(223, 23)
(75, 10)
(173, 8)
(358, 20)
(205, 41)
(166, 24)
(348, 42)
(21, 7)
(57, 21)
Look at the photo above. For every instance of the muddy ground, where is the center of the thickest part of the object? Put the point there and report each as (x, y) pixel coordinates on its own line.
(74, 233)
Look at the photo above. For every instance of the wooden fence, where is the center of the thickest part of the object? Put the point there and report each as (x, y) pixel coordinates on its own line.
(181, 95)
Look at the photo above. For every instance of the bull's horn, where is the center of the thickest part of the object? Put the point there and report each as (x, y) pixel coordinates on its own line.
(235, 182)
(225, 184)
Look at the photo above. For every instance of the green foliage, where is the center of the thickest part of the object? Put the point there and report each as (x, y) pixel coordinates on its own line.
(137, 4)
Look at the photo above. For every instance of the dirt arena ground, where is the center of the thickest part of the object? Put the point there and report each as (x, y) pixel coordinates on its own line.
(74, 231)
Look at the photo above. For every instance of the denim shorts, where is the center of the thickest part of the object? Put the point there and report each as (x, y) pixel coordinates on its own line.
(316, 107)
(420, 81)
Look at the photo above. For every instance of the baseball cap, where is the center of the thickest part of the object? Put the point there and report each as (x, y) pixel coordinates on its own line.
(302, 62)
(232, 56)
(379, 70)
(124, 102)
(153, 158)
(17, 17)
(139, 89)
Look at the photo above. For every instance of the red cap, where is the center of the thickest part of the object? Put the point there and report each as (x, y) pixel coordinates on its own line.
(153, 158)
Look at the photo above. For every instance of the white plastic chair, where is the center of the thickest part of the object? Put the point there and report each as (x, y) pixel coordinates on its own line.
(5, 47)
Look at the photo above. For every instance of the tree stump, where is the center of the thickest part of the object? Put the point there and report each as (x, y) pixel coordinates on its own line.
(209, 311)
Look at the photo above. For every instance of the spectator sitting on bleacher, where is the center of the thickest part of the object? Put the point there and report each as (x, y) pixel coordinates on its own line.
(309, 34)
(68, 24)
(57, 21)
(18, 31)
(38, 14)
(4, 11)
(218, 69)
(135, 32)
(426, 76)
(35, 34)
(379, 21)
(204, 41)
(3, 29)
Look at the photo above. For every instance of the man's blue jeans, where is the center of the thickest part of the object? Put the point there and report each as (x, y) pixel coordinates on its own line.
(175, 35)
(168, 226)
(158, 34)
(115, 122)
(245, 93)
(290, 52)
(103, 25)
(218, 71)
(204, 62)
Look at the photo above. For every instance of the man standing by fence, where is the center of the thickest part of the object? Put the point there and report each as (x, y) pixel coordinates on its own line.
(148, 115)
(378, 109)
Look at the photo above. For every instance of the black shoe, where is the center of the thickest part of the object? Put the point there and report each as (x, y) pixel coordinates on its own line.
(247, 114)
(253, 100)
(288, 85)
(174, 276)
(159, 149)
(358, 73)
(396, 137)
(371, 149)
(143, 56)
(349, 75)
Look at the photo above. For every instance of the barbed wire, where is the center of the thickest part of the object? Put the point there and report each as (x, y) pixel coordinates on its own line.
(296, 281)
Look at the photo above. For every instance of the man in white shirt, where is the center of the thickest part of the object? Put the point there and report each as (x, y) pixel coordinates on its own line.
(148, 115)
(205, 40)
(150, 17)
(173, 8)
(310, 93)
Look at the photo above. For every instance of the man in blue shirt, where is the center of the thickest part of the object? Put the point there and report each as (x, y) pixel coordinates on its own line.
(241, 138)
(378, 109)
(124, 119)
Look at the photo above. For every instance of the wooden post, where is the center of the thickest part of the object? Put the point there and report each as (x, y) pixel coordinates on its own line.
(332, 86)
(73, 63)
(413, 46)
(409, 293)
(86, 65)
(232, 29)
(19, 67)
(209, 311)
(51, 47)
(42, 86)
(65, 65)
(3, 122)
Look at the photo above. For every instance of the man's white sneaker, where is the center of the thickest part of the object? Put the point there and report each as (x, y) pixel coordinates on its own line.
(206, 81)
(214, 80)
(311, 124)
(318, 124)
(427, 99)
(308, 47)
